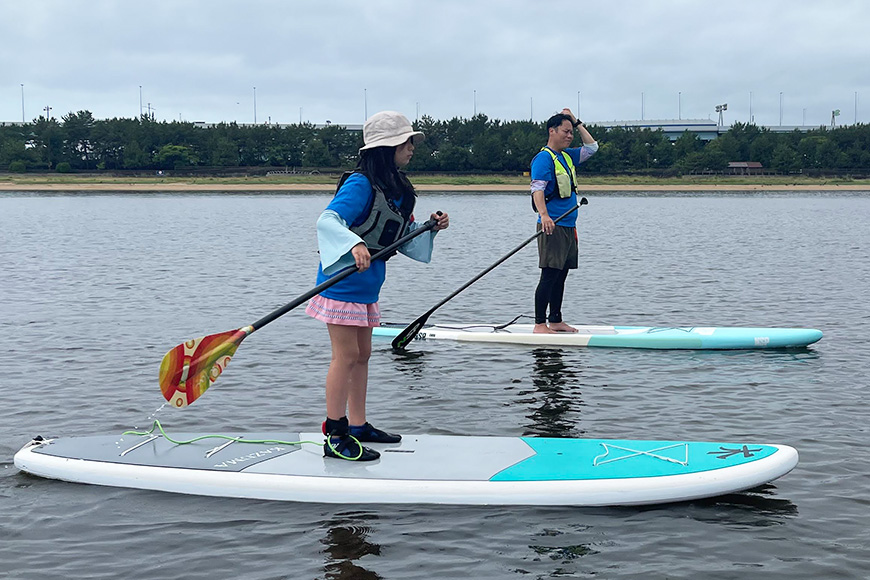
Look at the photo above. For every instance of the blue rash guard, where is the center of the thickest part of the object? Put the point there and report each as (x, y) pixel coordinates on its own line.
(543, 169)
(352, 204)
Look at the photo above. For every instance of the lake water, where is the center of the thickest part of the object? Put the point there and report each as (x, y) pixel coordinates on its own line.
(94, 289)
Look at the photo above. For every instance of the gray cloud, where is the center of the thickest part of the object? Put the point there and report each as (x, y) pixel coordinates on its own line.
(200, 60)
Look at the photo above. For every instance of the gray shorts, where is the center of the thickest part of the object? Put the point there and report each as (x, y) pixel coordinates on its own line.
(559, 249)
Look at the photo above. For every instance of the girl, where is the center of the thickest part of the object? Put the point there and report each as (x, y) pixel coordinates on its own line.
(372, 208)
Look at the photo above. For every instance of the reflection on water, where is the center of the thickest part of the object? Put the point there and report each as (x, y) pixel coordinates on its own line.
(345, 544)
(556, 399)
(554, 550)
(751, 509)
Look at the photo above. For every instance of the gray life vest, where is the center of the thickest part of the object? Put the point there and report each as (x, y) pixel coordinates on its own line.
(385, 223)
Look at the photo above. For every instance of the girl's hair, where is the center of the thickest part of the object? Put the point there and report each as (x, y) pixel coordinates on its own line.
(379, 165)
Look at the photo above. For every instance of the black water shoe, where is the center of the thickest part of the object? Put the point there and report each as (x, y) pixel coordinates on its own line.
(346, 447)
(369, 434)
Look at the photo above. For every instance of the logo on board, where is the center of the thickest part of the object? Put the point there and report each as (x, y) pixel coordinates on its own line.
(725, 452)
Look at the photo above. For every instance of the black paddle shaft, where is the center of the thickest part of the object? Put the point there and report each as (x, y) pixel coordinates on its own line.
(427, 225)
(412, 329)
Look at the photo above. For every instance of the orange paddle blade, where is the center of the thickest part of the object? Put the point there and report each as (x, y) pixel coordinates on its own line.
(189, 369)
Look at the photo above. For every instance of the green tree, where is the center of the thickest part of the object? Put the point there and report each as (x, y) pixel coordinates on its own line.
(317, 155)
(785, 159)
(828, 155)
(341, 145)
(134, 157)
(762, 147)
(77, 148)
(487, 152)
(47, 142)
(173, 157)
(224, 153)
(13, 149)
(714, 157)
(524, 140)
(454, 158)
(693, 162)
(687, 144)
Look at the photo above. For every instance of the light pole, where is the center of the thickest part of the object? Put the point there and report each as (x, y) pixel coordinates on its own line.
(47, 110)
(475, 103)
(751, 121)
(531, 109)
(255, 105)
(579, 115)
(140, 102)
(680, 106)
(22, 103)
(365, 105)
(721, 109)
(641, 106)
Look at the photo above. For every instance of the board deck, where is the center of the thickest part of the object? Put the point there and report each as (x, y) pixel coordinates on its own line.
(438, 469)
(682, 337)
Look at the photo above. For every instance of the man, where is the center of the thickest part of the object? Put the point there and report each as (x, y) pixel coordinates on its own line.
(554, 191)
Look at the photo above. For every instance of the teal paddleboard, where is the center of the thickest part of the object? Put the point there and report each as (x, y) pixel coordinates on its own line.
(677, 337)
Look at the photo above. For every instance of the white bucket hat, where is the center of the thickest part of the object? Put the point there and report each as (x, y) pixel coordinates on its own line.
(388, 129)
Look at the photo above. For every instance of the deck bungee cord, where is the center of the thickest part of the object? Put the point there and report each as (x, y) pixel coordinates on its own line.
(157, 426)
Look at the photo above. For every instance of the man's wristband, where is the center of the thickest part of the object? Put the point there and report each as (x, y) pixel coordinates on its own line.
(577, 123)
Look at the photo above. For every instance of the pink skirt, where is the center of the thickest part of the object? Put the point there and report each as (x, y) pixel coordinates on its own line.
(343, 313)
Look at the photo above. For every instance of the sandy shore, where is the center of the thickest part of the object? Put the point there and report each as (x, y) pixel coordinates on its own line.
(191, 187)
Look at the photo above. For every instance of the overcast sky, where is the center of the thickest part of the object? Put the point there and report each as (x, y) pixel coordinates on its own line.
(318, 60)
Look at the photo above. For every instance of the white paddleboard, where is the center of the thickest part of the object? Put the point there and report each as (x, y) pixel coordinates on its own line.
(425, 469)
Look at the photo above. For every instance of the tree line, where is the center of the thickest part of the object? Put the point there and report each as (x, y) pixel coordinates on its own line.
(78, 142)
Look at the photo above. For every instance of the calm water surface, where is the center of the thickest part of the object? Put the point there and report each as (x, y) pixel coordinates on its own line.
(94, 289)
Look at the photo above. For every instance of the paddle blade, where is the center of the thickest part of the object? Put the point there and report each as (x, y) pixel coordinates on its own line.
(189, 369)
(409, 333)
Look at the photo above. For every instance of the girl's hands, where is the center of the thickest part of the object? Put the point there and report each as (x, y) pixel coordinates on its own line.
(443, 221)
(361, 256)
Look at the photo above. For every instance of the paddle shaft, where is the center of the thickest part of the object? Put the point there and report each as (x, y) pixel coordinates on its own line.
(412, 329)
(427, 225)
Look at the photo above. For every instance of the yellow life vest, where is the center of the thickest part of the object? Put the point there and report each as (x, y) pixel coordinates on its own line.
(564, 180)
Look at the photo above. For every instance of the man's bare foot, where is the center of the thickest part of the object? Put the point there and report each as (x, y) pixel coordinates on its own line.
(543, 329)
(561, 327)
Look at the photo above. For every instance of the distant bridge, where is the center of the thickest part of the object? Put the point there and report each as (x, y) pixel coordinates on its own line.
(705, 129)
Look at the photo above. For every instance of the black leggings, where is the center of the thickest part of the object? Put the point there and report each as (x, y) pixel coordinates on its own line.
(550, 290)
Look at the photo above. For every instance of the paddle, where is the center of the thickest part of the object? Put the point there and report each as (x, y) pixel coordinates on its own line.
(412, 329)
(190, 368)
